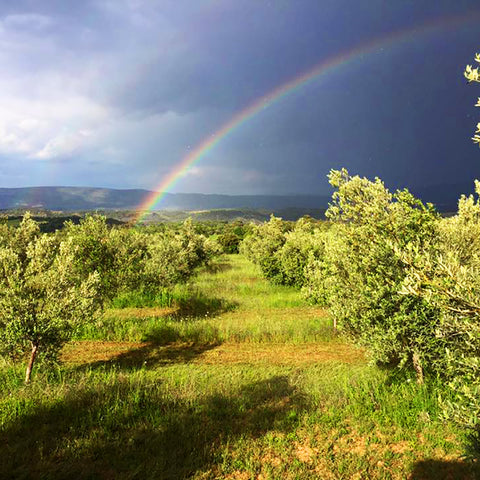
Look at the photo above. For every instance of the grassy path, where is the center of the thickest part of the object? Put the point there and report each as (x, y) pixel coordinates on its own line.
(231, 309)
(237, 380)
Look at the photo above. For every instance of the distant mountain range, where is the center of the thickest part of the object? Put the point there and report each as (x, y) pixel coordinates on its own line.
(80, 198)
(69, 199)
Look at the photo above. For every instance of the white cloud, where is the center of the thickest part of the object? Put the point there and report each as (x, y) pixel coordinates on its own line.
(49, 128)
(195, 172)
(64, 144)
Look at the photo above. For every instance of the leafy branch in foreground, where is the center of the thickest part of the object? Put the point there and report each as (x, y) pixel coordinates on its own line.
(472, 75)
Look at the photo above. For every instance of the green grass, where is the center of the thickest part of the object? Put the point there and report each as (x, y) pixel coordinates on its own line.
(142, 299)
(239, 281)
(235, 379)
(228, 302)
(211, 422)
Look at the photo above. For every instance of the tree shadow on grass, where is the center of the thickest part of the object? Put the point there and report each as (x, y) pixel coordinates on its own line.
(445, 470)
(164, 343)
(151, 355)
(218, 267)
(201, 306)
(135, 430)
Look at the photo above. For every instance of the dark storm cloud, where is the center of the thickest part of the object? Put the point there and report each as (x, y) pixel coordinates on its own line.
(117, 92)
(230, 55)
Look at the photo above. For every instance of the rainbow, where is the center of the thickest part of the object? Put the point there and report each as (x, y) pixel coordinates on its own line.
(323, 68)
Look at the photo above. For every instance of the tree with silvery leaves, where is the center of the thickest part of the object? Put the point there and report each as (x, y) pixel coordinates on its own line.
(42, 299)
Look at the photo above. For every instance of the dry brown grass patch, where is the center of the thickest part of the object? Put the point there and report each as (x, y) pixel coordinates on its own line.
(91, 351)
(238, 475)
(271, 459)
(140, 313)
(305, 453)
(132, 354)
(282, 354)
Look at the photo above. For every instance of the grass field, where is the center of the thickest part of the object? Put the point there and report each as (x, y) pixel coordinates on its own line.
(234, 379)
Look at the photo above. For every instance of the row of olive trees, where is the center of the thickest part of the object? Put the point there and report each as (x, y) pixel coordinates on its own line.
(285, 251)
(396, 277)
(51, 284)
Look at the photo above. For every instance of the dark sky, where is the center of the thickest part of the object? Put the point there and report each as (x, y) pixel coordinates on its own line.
(115, 93)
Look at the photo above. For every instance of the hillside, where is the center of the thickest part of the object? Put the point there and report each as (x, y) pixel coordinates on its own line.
(74, 199)
(86, 198)
(230, 215)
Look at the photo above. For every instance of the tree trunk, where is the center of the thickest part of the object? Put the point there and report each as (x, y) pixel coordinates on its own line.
(30, 363)
(418, 367)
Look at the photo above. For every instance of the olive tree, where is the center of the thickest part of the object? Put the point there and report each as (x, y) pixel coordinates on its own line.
(366, 270)
(99, 250)
(303, 244)
(42, 300)
(172, 256)
(262, 245)
(447, 277)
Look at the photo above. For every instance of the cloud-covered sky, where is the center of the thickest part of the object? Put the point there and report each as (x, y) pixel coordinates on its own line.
(116, 93)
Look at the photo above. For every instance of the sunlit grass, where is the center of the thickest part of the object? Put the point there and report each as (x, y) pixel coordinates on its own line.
(227, 302)
(239, 281)
(283, 325)
(226, 378)
(210, 421)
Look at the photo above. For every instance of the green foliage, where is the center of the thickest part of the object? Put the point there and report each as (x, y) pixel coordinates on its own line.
(303, 245)
(173, 256)
(366, 270)
(42, 300)
(95, 252)
(263, 243)
(230, 235)
(446, 276)
(129, 259)
(285, 251)
(354, 266)
(396, 277)
(472, 75)
(170, 259)
(51, 284)
(316, 270)
(229, 242)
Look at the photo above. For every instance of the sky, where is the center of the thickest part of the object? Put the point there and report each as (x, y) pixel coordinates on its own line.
(118, 93)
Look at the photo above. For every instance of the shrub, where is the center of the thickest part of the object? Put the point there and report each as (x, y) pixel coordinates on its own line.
(96, 252)
(396, 277)
(229, 242)
(316, 272)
